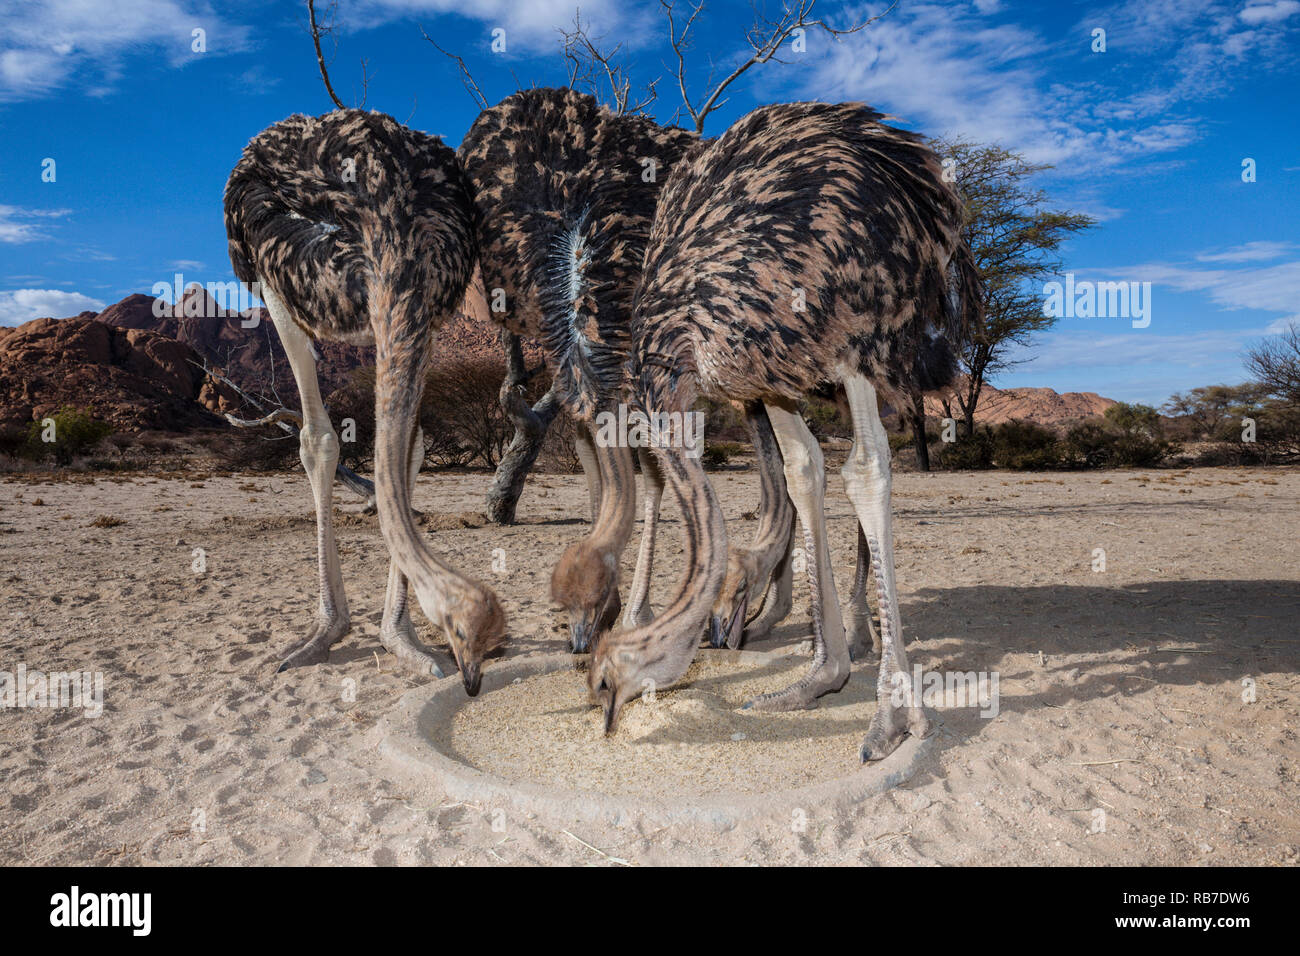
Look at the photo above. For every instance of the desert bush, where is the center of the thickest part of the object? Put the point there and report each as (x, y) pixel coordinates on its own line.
(1126, 436)
(461, 413)
(900, 440)
(75, 432)
(723, 421)
(559, 453)
(973, 452)
(826, 418)
(717, 454)
(242, 449)
(1138, 436)
(355, 400)
(1025, 446)
(13, 441)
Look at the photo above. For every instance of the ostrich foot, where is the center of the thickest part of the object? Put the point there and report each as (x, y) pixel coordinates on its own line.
(861, 634)
(890, 725)
(399, 640)
(824, 677)
(316, 648)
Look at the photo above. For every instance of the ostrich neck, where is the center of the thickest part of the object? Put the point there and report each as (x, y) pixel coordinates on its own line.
(775, 511)
(614, 519)
(675, 634)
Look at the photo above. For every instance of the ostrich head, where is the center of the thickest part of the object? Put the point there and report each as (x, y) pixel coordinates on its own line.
(727, 619)
(585, 584)
(475, 627)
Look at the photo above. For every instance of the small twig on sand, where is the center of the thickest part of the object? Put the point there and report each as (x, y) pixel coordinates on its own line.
(1102, 763)
(612, 859)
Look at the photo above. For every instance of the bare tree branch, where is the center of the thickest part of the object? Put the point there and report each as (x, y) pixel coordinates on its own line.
(764, 36)
(586, 61)
(466, 78)
(318, 31)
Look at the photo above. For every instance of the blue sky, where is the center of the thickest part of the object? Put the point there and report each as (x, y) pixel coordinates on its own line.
(1148, 136)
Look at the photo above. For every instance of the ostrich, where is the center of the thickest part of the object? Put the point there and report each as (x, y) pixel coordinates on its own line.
(794, 250)
(749, 570)
(565, 191)
(356, 228)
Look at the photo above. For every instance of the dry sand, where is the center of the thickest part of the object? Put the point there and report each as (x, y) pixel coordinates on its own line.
(1121, 690)
(685, 741)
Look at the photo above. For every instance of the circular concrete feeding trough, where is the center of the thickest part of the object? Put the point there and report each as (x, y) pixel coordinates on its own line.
(532, 741)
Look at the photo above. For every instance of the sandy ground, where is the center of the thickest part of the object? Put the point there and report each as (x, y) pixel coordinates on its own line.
(1121, 690)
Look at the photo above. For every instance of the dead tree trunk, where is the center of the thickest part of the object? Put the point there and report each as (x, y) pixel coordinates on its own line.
(531, 423)
(918, 432)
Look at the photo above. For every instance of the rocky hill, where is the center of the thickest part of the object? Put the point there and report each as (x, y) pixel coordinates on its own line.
(1042, 405)
(140, 367)
(244, 345)
(135, 379)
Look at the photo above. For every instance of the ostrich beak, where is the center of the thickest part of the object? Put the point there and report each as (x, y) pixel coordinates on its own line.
(472, 675)
(612, 707)
(736, 628)
(581, 630)
(729, 635)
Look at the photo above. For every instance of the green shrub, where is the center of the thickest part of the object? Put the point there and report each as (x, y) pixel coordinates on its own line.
(74, 432)
(1126, 436)
(970, 453)
(717, 454)
(1025, 446)
(900, 440)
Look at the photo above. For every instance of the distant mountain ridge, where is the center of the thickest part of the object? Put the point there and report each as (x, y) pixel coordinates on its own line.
(139, 363)
(135, 364)
(1044, 406)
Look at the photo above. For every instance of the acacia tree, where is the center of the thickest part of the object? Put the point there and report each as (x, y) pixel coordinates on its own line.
(1015, 240)
(1275, 363)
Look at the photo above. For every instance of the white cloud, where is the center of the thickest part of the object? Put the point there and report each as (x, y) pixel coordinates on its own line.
(1273, 288)
(23, 225)
(533, 24)
(1258, 251)
(1098, 348)
(23, 305)
(1274, 12)
(43, 45)
(944, 68)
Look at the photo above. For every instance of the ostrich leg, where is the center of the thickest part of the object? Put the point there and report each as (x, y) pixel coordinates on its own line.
(779, 598)
(396, 632)
(318, 447)
(867, 481)
(860, 631)
(638, 610)
(586, 450)
(805, 475)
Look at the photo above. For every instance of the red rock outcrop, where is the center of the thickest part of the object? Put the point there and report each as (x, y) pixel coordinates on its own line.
(135, 379)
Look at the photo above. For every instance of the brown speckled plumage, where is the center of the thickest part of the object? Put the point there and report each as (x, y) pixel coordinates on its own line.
(841, 214)
(293, 219)
(563, 214)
